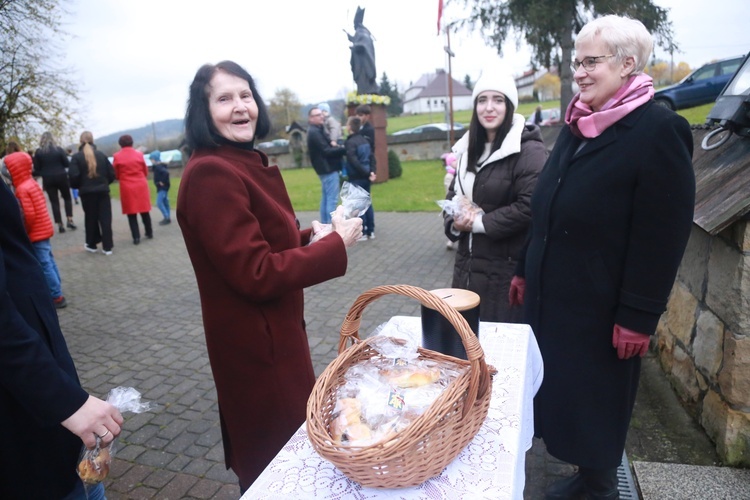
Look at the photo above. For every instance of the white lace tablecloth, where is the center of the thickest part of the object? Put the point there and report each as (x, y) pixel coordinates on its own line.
(491, 466)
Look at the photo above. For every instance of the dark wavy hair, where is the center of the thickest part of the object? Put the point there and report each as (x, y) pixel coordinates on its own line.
(478, 135)
(125, 140)
(199, 127)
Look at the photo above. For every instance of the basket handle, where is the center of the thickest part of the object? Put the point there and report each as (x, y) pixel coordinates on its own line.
(479, 382)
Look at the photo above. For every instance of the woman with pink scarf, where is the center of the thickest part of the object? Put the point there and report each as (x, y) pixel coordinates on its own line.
(611, 216)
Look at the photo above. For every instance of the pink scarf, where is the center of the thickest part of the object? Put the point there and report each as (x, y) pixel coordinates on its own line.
(587, 123)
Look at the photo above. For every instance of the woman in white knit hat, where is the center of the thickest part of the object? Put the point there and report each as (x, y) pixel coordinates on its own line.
(499, 160)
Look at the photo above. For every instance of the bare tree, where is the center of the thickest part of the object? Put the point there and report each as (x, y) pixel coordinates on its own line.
(36, 92)
(284, 108)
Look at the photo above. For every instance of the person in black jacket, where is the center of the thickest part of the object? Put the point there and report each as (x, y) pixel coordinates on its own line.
(611, 215)
(361, 171)
(497, 165)
(42, 405)
(92, 173)
(364, 112)
(51, 162)
(325, 157)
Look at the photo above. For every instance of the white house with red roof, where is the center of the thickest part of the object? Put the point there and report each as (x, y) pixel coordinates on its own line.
(430, 94)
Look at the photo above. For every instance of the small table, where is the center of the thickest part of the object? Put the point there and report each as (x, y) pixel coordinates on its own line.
(491, 466)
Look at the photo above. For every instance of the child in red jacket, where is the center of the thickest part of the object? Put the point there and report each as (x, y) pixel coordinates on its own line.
(36, 218)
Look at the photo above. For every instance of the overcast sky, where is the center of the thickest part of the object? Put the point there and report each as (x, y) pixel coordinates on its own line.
(134, 60)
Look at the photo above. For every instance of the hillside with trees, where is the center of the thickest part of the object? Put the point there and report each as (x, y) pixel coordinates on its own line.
(163, 135)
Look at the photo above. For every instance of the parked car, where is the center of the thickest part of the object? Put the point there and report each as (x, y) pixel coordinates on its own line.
(702, 86)
(549, 117)
(429, 127)
(173, 158)
(273, 144)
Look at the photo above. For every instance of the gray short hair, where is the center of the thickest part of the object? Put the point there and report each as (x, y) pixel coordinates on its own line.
(623, 37)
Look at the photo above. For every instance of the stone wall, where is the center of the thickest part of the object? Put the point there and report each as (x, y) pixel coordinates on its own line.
(703, 339)
(425, 146)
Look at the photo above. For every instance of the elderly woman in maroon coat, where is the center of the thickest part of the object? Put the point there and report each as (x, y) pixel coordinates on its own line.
(610, 217)
(132, 172)
(251, 263)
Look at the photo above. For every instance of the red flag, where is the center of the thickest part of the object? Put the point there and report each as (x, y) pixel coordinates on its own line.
(440, 14)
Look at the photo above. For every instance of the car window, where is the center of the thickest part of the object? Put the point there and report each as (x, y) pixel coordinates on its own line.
(729, 67)
(705, 72)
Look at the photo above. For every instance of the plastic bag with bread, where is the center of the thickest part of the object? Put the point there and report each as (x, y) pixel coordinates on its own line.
(460, 207)
(355, 200)
(381, 395)
(93, 465)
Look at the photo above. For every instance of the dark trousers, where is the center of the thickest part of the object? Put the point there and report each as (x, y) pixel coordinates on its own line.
(133, 221)
(55, 184)
(97, 210)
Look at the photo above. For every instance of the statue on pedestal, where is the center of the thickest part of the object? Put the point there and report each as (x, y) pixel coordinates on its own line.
(363, 56)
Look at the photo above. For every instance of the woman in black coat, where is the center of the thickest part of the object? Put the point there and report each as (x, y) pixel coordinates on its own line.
(92, 173)
(611, 216)
(45, 415)
(497, 164)
(51, 162)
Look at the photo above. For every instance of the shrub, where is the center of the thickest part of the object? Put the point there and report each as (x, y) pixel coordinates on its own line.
(394, 165)
(298, 157)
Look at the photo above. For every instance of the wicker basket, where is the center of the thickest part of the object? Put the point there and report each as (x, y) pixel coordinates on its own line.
(427, 445)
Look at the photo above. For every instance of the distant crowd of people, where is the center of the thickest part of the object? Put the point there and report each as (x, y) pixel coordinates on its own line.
(87, 175)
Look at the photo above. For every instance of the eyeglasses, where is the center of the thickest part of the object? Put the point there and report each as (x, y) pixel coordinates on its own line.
(588, 63)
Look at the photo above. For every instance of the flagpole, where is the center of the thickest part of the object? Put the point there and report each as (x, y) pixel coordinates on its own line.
(450, 84)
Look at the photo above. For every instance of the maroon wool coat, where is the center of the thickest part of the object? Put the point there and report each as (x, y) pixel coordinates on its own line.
(132, 172)
(251, 263)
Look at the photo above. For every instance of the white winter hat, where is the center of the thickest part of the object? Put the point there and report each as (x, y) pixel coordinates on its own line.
(498, 80)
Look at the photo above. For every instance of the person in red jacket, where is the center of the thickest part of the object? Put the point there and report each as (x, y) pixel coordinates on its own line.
(132, 172)
(35, 217)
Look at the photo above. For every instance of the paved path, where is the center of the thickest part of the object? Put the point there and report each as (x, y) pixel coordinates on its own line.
(134, 319)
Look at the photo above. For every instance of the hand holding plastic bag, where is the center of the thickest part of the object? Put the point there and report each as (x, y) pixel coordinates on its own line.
(463, 211)
(320, 230)
(350, 230)
(355, 200)
(93, 465)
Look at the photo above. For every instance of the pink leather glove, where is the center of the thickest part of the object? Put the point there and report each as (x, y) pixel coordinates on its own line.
(629, 343)
(517, 291)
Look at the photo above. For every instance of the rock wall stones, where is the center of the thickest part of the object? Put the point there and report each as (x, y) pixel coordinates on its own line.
(703, 339)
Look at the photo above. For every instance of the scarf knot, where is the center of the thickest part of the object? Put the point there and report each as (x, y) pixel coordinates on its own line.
(586, 123)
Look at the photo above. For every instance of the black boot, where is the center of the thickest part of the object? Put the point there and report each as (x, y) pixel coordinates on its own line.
(600, 484)
(565, 489)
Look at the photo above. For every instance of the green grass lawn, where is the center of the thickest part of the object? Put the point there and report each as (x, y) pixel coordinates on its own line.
(174, 186)
(694, 116)
(415, 191)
